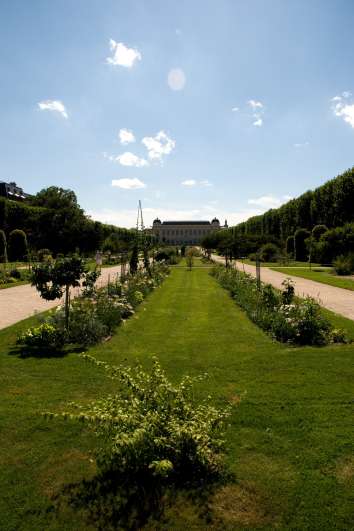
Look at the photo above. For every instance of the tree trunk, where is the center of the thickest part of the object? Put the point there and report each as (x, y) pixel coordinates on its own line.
(67, 293)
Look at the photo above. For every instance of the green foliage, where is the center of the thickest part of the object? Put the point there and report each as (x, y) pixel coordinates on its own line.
(288, 292)
(290, 246)
(3, 247)
(191, 252)
(18, 247)
(45, 336)
(269, 252)
(285, 318)
(15, 273)
(318, 230)
(58, 223)
(300, 247)
(151, 430)
(168, 254)
(44, 255)
(331, 205)
(55, 198)
(50, 279)
(134, 260)
(344, 265)
(97, 313)
(335, 242)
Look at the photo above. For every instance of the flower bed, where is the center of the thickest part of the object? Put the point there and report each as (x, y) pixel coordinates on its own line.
(287, 319)
(96, 313)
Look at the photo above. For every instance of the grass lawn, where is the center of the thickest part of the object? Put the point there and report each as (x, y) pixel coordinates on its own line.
(291, 263)
(321, 275)
(290, 442)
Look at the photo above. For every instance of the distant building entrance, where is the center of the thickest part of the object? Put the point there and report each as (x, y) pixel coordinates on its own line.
(184, 232)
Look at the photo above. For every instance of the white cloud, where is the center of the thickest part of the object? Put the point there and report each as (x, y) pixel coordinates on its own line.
(176, 79)
(255, 104)
(257, 112)
(193, 182)
(268, 201)
(128, 184)
(301, 145)
(235, 109)
(126, 136)
(158, 146)
(344, 109)
(53, 105)
(122, 55)
(129, 159)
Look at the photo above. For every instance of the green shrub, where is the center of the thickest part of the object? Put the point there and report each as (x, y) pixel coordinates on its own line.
(344, 265)
(45, 336)
(152, 431)
(15, 273)
(300, 248)
(85, 328)
(134, 260)
(290, 246)
(18, 247)
(269, 252)
(44, 255)
(288, 292)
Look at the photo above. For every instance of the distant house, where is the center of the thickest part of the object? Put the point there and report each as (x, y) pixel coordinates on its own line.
(184, 232)
(12, 191)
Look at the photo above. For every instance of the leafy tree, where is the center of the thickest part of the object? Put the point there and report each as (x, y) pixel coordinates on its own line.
(290, 246)
(3, 247)
(52, 280)
(190, 258)
(55, 198)
(134, 260)
(299, 244)
(18, 247)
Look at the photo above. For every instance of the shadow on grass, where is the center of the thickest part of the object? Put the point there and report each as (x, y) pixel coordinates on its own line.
(109, 502)
(35, 352)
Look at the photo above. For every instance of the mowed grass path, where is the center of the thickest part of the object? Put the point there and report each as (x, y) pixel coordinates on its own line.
(290, 442)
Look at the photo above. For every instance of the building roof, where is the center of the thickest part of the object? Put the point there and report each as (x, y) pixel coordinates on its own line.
(186, 223)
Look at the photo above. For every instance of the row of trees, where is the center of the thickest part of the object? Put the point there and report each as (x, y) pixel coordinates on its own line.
(330, 205)
(53, 219)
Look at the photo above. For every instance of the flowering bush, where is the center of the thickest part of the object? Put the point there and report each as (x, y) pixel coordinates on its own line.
(151, 429)
(43, 336)
(279, 313)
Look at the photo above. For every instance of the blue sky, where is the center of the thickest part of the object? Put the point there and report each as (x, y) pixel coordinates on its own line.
(198, 108)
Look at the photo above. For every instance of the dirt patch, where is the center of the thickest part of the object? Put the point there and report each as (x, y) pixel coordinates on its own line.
(239, 505)
(345, 469)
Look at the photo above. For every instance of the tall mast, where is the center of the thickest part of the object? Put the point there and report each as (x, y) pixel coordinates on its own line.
(140, 220)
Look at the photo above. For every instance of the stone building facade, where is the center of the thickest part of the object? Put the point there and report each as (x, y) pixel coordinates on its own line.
(184, 232)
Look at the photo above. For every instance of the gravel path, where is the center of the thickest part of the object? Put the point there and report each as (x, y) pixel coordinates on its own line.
(20, 302)
(337, 300)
